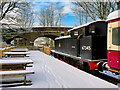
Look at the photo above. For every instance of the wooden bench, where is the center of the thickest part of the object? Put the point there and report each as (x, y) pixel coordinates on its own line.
(19, 50)
(12, 64)
(11, 68)
(5, 49)
(18, 54)
(15, 74)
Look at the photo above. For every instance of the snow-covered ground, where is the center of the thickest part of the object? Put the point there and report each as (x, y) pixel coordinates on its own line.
(53, 73)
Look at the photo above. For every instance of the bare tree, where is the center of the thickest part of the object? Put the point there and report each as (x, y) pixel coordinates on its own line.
(25, 18)
(19, 12)
(94, 10)
(51, 16)
(7, 7)
(43, 17)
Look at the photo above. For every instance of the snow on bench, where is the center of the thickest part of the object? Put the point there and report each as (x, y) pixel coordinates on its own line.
(19, 72)
(16, 53)
(15, 61)
(15, 64)
(14, 68)
(19, 50)
(14, 74)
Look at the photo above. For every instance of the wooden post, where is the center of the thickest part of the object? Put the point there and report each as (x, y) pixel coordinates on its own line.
(0, 54)
(25, 79)
(15, 42)
(46, 50)
(25, 66)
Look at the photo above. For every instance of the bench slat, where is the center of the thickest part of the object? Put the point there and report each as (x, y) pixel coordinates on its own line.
(19, 72)
(23, 61)
(19, 50)
(18, 53)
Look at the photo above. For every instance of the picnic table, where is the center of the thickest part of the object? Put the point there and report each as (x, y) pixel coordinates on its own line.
(9, 54)
(19, 50)
(11, 68)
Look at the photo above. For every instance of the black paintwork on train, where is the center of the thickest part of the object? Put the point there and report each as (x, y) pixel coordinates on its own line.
(67, 45)
(90, 43)
(93, 46)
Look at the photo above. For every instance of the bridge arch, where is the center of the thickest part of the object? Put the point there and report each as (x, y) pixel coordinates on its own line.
(9, 40)
(48, 36)
(44, 41)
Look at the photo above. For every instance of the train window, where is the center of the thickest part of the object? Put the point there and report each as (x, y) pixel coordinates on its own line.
(80, 31)
(92, 29)
(116, 36)
(76, 33)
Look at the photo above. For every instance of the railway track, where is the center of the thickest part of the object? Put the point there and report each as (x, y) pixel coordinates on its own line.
(106, 77)
(103, 76)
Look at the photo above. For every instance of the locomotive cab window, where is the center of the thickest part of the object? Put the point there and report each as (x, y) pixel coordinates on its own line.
(75, 34)
(116, 36)
(92, 29)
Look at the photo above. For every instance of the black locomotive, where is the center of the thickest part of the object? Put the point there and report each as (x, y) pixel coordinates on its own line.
(83, 45)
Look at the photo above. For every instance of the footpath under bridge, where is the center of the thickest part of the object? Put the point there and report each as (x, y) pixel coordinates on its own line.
(29, 35)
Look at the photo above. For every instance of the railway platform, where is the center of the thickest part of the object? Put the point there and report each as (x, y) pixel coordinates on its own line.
(53, 73)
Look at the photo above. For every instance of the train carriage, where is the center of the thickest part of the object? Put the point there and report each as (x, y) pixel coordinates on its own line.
(113, 41)
(87, 42)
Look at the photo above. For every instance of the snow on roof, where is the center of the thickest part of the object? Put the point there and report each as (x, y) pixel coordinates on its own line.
(62, 37)
(84, 25)
(114, 15)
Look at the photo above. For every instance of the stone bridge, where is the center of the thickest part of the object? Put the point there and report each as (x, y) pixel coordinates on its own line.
(35, 32)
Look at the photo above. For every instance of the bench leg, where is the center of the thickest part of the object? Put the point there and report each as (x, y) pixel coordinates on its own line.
(25, 79)
(10, 56)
